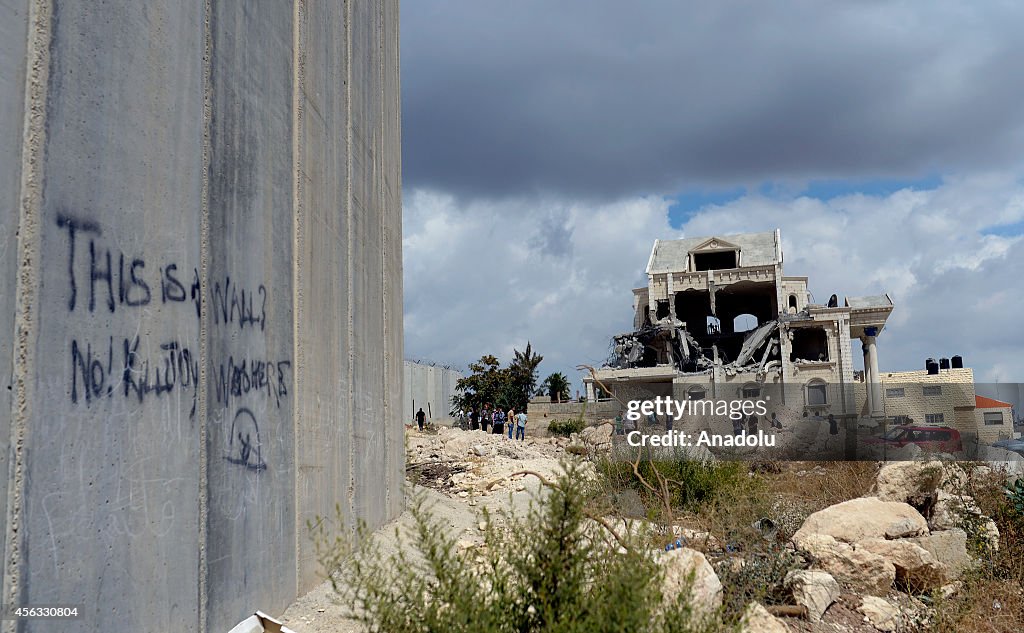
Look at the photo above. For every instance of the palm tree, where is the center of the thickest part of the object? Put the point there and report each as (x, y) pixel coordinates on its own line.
(523, 373)
(557, 386)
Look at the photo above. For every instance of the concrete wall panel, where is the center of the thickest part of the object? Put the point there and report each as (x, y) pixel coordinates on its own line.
(111, 488)
(322, 269)
(430, 387)
(367, 247)
(204, 306)
(393, 308)
(250, 457)
(13, 41)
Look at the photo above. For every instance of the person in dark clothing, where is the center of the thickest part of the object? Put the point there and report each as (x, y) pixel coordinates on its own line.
(737, 426)
(752, 425)
(486, 417)
(833, 425)
(776, 422)
(421, 418)
(474, 419)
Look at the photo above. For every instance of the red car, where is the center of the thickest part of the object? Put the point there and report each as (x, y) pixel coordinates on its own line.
(931, 439)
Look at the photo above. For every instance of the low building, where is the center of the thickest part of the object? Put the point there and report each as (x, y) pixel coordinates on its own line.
(994, 419)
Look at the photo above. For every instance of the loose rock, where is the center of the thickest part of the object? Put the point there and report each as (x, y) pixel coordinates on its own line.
(815, 590)
(880, 614)
(756, 619)
(864, 518)
(705, 592)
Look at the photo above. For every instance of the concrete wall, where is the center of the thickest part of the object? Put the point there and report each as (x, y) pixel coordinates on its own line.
(541, 412)
(200, 300)
(430, 387)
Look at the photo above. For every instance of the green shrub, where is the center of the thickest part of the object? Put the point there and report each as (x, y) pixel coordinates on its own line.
(1015, 495)
(565, 428)
(550, 570)
(691, 482)
(757, 576)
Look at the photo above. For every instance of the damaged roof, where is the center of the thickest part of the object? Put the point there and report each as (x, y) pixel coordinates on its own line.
(756, 249)
(870, 301)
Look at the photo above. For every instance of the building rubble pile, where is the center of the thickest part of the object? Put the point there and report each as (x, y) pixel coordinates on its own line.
(484, 464)
(669, 339)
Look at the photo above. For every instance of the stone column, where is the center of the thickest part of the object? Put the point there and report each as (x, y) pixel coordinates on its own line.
(867, 376)
(671, 296)
(590, 392)
(874, 384)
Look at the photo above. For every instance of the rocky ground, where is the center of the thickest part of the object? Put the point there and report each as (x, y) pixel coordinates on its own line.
(871, 563)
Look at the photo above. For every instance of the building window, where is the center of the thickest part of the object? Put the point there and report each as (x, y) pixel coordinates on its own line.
(715, 260)
(751, 391)
(744, 323)
(898, 392)
(902, 419)
(792, 302)
(696, 393)
(933, 390)
(993, 418)
(934, 418)
(817, 394)
(809, 344)
(714, 325)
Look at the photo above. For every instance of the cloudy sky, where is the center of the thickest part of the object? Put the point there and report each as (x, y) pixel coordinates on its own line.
(548, 144)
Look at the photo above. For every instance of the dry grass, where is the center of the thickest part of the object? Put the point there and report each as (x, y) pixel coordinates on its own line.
(824, 484)
(985, 604)
(992, 597)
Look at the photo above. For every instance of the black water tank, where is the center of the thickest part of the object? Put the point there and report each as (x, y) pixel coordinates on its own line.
(943, 363)
(931, 366)
(958, 362)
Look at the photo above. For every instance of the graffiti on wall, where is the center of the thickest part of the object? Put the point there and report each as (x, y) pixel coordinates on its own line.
(103, 280)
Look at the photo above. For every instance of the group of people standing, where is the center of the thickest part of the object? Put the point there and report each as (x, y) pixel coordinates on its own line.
(495, 420)
(751, 424)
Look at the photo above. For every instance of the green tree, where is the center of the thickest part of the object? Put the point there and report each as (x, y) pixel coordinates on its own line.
(504, 387)
(523, 376)
(485, 383)
(556, 385)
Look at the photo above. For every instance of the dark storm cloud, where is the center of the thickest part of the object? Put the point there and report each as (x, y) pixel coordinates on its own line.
(602, 98)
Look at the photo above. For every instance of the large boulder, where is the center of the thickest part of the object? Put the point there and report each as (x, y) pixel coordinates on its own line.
(687, 570)
(948, 547)
(756, 619)
(916, 568)
(915, 483)
(600, 434)
(815, 590)
(865, 518)
(860, 569)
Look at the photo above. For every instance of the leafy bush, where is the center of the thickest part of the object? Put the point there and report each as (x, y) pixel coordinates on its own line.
(550, 570)
(760, 577)
(691, 482)
(565, 428)
(1015, 494)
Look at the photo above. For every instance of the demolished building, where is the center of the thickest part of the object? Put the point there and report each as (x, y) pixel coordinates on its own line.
(719, 318)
